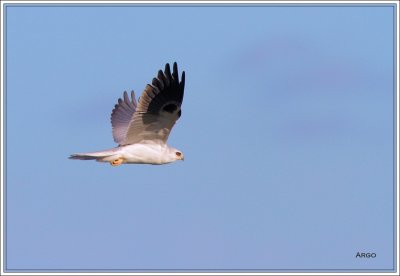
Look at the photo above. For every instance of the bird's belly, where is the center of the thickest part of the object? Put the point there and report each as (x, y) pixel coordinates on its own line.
(142, 154)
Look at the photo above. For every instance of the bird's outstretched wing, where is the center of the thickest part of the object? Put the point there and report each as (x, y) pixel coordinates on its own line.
(122, 115)
(158, 109)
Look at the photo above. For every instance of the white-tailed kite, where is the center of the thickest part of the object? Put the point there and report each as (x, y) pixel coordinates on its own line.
(142, 129)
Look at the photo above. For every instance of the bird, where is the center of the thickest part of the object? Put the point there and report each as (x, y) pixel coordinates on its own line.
(141, 128)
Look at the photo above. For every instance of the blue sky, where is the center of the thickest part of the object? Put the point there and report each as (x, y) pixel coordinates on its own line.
(287, 131)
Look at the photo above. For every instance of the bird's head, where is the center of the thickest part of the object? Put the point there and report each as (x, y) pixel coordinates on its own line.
(175, 154)
(179, 155)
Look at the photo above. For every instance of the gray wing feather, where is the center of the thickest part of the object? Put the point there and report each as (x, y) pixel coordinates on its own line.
(122, 115)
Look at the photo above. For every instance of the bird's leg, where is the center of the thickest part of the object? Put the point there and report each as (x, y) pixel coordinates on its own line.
(117, 162)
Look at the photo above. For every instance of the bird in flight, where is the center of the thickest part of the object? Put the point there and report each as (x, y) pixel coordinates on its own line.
(141, 128)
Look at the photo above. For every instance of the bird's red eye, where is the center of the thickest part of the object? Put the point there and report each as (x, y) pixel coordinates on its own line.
(178, 154)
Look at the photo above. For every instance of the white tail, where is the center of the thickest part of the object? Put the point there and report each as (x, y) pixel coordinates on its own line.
(99, 156)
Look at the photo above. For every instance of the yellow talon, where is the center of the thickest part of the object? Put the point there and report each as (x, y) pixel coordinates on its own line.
(117, 162)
